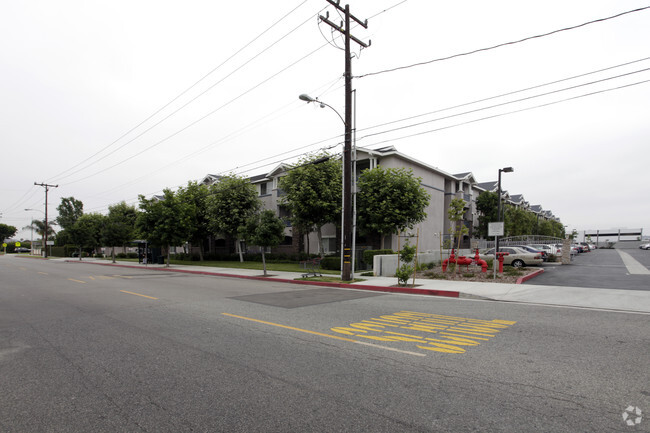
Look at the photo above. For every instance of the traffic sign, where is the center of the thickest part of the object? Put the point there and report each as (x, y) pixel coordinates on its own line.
(17, 244)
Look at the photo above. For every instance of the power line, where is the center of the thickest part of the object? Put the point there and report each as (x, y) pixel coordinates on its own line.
(502, 44)
(201, 118)
(58, 176)
(506, 103)
(509, 112)
(504, 94)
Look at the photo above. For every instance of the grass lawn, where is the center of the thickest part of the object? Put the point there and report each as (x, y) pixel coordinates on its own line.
(282, 267)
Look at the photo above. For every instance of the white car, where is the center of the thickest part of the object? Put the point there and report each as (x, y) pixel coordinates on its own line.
(516, 257)
(645, 246)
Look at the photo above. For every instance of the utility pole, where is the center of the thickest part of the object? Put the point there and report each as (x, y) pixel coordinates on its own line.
(346, 270)
(47, 189)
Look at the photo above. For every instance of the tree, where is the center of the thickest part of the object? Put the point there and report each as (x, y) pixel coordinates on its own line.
(7, 231)
(265, 230)
(70, 210)
(164, 222)
(231, 202)
(455, 213)
(518, 222)
(119, 227)
(390, 200)
(486, 205)
(87, 231)
(313, 194)
(195, 195)
(39, 227)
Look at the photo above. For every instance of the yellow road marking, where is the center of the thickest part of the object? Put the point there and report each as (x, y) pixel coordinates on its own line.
(77, 281)
(138, 294)
(336, 337)
(91, 277)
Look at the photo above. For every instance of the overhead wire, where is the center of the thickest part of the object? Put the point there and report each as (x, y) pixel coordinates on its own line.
(502, 44)
(507, 103)
(510, 112)
(506, 94)
(60, 177)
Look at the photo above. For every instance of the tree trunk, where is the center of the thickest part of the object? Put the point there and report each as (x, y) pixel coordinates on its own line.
(319, 233)
(382, 241)
(241, 255)
(168, 250)
(80, 252)
(113, 254)
(263, 261)
(200, 251)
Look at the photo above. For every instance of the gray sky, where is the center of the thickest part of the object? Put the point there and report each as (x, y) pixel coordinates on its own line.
(83, 84)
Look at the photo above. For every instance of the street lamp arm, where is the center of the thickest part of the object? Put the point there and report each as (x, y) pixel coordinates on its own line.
(308, 99)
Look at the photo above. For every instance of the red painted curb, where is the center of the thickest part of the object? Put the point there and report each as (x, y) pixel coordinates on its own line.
(529, 276)
(410, 290)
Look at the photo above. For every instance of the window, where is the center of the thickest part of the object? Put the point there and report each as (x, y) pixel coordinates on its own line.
(263, 187)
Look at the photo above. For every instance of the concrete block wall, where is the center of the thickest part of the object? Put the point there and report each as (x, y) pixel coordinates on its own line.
(386, 265)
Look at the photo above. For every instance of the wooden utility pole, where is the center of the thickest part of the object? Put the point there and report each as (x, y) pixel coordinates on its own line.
(47, 189)
(346, 271)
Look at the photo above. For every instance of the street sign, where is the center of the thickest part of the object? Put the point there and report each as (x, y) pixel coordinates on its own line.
(4, 245)
(17, 244)
(495, 229)
(49, 243)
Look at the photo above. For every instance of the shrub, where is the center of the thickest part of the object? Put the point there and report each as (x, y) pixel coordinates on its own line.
(368, 274)
(425, 266)
(120, 256)
(403, 273)
(332, 263)
(369, 254)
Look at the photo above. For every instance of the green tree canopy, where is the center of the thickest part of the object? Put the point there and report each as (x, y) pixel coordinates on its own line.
(7, 231)
(231, 202)
(195, 196)
(486, 205)
(313, 193)
(265, 230)
(119, 227)
(70, 210)
(164, 221)
(518, 222)
(390, 200)
(87, 231)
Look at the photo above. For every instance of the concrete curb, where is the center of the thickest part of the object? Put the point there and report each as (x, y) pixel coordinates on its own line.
(409, 290)
(529, 276)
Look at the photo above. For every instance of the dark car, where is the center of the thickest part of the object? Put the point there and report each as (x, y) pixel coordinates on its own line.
(22, 250)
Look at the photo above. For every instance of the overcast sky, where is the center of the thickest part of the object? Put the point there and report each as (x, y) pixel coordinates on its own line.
(114, 99)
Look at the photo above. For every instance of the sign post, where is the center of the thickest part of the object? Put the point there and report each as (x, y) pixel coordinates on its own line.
(496, 230)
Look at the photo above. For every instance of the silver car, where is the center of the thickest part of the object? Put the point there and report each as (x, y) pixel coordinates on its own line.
(516, 257)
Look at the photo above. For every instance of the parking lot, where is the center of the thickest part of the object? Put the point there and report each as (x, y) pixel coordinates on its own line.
(602, 269)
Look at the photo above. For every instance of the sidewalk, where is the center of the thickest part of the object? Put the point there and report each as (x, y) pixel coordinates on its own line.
(623, 300)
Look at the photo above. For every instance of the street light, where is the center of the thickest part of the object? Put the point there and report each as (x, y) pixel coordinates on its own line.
(347, 233)
(504, 170)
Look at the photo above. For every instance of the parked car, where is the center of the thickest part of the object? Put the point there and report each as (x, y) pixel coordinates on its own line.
(22, 250)
(645, 246)
(585, 246)
(516, 257)
(533, 250)
(549, 249)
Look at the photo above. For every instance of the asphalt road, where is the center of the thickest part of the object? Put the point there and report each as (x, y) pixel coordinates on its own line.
(92, 348)
(600, 269)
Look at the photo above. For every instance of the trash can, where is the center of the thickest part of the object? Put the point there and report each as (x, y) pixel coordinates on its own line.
(161, 260)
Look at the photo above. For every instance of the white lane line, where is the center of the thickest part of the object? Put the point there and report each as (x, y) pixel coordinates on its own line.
(632, 265)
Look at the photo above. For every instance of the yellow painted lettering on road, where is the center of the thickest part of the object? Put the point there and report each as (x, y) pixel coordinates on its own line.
(452, 334)
(335, 337)
(77, 281)
(138, 294)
